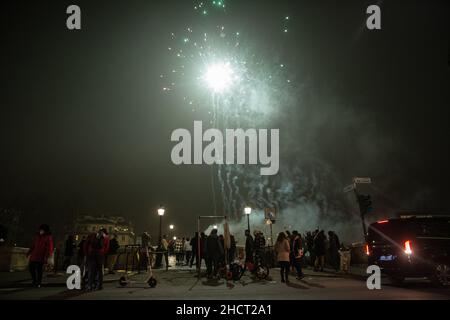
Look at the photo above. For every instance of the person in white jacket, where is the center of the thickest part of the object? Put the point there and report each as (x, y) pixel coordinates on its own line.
(187, 250)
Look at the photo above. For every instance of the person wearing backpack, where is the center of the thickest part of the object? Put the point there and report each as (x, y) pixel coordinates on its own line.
(96, 248)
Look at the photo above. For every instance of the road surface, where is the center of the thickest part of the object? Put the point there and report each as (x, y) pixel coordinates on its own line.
(184, 284)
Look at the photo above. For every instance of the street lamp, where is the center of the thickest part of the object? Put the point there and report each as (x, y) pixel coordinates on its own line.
(171, 227)
(247, 211)
(161, 211)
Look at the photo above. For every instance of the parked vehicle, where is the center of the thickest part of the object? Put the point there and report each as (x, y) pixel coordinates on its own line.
(411, 246)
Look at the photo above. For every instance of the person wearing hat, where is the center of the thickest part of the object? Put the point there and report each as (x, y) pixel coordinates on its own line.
(96, 248)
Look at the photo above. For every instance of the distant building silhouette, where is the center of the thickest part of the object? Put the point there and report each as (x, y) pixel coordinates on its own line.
(124, 230)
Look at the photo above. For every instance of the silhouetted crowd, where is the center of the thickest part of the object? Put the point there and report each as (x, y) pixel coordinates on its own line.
(314, 249)
(98, 250)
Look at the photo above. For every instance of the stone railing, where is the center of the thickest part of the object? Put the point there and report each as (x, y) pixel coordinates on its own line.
(13, 259)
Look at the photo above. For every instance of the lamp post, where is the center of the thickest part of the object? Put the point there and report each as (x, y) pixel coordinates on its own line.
(269, 222)
(171, 227)
(161, 211)
(247, 211)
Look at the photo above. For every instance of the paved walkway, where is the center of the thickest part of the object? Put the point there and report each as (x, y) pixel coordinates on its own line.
(184, 284)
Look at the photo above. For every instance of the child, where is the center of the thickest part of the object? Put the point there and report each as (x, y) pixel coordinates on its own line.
(344, 253)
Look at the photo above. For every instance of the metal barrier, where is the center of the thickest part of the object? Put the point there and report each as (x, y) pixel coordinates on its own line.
(130, 252)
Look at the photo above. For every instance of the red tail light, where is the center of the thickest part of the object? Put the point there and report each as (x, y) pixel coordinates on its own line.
(408, 248)
(367, 249)
(383, 221)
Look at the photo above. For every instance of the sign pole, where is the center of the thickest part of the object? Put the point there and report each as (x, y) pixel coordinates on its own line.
(351, 187)
(271, 235)
(362, 216)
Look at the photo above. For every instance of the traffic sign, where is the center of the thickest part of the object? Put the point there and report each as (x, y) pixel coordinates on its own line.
(349, 188)
(270, 214)
(362, 180)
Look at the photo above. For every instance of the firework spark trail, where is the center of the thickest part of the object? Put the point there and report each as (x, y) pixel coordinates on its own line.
(236, 191)
(213, 185)
(238, 173)
(216, 124)
(225, 194)
(259, 95)
(227, 188)
(222, 187)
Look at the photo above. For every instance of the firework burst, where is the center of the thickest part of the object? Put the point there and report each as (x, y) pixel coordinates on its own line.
(220, 71)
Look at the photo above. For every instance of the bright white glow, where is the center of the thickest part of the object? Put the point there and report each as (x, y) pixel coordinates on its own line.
(161, 211)
(219, 76)
(171, 227)
(214, 227)
(174, 238)
(247, 210)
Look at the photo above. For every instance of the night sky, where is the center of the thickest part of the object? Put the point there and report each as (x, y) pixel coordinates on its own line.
(85, 125)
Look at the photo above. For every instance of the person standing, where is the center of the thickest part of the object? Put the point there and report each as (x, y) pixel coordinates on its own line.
(178, 249)
(283, 250)
(222, 243)
(232, 251)
(81, 261)
(345, 258)
(289, 238)
(188, 250)
(309, 248)
(333, 251)
(194, 246)
(113, 253)
(146, 250)
(297, 253)
(39, 253)
(96, 248)
(183, 253)
(214, 252)
(69, 249)
(260, 244)
(165, 249)
(202, 249)
(249, 247)
(319, 250)
(288, 235)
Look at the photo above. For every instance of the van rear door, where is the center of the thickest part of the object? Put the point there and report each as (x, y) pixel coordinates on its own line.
(386, 239)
